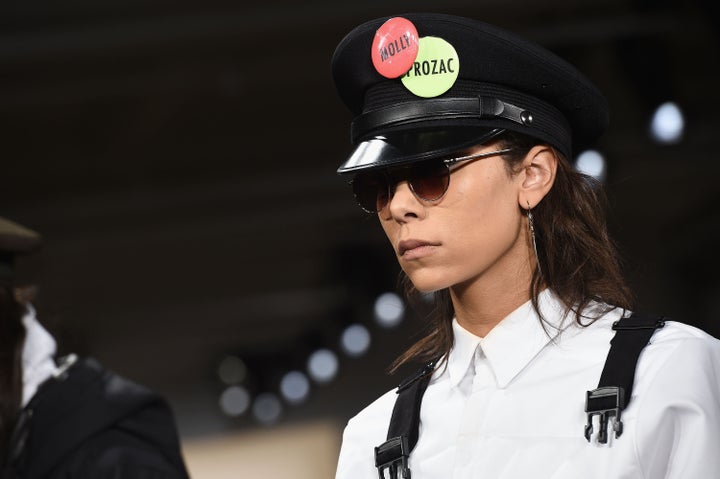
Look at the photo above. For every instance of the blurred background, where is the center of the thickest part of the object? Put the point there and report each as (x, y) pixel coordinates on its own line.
(179, 159)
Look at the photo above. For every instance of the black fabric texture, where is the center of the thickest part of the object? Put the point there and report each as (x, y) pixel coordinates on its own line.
(93, 424)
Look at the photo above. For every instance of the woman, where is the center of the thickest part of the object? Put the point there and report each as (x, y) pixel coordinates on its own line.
(71, 418)
(463, 133)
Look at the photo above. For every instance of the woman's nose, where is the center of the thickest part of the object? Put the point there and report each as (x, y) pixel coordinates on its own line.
(403, 203)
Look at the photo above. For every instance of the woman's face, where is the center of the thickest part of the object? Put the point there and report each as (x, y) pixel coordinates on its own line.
(475, 232)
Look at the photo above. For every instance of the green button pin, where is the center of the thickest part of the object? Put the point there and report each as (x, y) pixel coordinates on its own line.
(435, 69)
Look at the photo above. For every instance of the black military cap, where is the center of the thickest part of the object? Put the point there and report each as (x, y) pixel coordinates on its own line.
(468, 82)
(15, 240)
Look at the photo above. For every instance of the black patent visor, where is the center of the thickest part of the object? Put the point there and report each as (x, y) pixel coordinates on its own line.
(395, 148)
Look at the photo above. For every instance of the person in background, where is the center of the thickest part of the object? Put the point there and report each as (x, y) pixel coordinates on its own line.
(462, 136)
(70, 417)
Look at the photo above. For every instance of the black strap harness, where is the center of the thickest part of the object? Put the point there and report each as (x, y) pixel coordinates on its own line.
(616, 381)
(392, 456)
(607, 401)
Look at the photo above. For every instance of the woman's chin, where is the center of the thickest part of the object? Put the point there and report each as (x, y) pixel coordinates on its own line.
(426, 285)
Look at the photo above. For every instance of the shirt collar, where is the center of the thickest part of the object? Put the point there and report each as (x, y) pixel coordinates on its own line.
(512, 343)
(462, 353)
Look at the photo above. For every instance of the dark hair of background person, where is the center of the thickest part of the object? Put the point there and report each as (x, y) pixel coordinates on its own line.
(12, 339)
(578, 260)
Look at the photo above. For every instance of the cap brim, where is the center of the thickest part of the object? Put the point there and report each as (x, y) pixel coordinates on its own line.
(17, 239)
(395, 148)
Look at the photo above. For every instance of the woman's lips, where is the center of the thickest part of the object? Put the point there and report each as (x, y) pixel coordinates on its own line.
(411, 249)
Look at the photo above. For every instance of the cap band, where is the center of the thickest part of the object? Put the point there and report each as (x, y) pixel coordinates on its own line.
(437, 109)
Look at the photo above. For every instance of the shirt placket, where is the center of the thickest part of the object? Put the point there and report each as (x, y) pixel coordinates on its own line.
(481, 387)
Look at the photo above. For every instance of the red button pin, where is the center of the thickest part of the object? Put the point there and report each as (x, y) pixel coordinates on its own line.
(395, 47)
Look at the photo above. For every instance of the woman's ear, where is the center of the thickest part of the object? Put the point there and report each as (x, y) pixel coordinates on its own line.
(537, 175)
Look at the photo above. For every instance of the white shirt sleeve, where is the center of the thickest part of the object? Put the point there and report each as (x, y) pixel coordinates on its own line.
(362, 434)
(678, 430)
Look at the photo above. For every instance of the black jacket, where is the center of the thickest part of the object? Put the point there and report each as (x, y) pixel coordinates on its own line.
(92, 424)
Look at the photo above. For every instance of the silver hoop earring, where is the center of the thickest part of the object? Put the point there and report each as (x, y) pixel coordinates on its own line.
(531, 226)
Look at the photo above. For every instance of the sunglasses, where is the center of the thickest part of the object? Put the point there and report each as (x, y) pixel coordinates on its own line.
(428, 180)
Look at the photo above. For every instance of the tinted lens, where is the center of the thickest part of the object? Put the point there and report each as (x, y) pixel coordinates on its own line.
(371, 191)
(429, 180)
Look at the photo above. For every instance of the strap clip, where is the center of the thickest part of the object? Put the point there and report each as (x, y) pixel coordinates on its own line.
(391, 459)
(605, 402)
(429, 368)
(637, 324)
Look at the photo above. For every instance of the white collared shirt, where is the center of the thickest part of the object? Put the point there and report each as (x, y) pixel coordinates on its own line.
(512, 406)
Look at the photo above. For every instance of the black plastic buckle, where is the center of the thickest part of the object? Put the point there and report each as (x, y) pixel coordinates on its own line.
(604, 402)
(392, 457)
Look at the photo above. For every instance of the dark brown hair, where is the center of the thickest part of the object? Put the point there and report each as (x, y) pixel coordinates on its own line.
(578, 259)
(12, 339)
